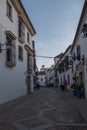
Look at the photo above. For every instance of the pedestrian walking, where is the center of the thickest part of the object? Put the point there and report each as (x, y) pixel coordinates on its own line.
(65, 84)
(37, 84)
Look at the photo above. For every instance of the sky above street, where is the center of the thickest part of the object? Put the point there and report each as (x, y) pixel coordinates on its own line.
(55, 22)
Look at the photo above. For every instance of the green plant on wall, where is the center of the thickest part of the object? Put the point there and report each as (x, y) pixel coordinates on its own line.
(77, 86)
(73, 86)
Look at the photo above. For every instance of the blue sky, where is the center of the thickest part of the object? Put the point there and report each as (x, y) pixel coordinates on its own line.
(55, 22)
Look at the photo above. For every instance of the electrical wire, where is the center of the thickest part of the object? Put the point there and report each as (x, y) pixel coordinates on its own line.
(43, 56)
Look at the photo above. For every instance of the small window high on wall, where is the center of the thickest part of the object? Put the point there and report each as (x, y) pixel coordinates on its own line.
(28, 38)
(78, 52)
(21, 32)
(20, 53)
(9, 11)
(29, 62)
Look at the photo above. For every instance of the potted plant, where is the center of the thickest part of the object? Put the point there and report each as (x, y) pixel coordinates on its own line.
(77, 89)
(74, 89)
(80, 90)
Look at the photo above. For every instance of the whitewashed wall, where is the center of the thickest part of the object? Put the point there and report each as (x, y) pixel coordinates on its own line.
(47, 75)
(12, 80)
(66, 73)
(83, 45)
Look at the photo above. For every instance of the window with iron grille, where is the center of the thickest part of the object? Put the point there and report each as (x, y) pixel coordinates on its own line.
(68, 76)
(28, 37)
(21, 32)
(10, 52)
(78, 49)
(29, 62)
(20, 53)
(78, 52)
(84, 30)
(9, 10)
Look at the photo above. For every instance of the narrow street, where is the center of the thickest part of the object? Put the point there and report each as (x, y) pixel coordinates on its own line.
(45, 109)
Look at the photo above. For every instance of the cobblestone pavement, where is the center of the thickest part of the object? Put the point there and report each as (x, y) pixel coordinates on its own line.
(45, 109)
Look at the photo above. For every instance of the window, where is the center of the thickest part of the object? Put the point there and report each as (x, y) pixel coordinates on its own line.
(21, 32)
(74, 56)
(84, 30)
(68, 79)
(9, 11)
(20, 53)
(72, 66)
(78, 52)
(61, 80)
(78, 49)
(0, 47)
(10, 52)
(66, 62)
(29, 62)
(28, 37)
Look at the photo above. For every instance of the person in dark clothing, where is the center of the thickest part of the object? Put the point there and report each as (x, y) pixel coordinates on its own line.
(65, 84)
(37, 85)
(62, 86)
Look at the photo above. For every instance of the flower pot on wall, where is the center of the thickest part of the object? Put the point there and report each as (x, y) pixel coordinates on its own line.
(77, 90)
(74, 92)
(79, 94)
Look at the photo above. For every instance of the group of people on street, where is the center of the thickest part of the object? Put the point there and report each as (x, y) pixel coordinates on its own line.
(63, 85)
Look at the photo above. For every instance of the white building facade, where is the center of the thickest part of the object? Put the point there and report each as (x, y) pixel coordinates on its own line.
(48, 75)
(56, 79)
(79, 51)
(51, 76)
(16, 51)
(65, 68)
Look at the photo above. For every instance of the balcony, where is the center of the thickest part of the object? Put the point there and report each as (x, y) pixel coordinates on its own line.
(10, 64)
(21, 39)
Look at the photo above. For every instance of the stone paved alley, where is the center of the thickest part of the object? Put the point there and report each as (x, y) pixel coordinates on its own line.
(45, 109)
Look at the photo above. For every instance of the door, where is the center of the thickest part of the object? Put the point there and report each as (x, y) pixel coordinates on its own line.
(28, 84)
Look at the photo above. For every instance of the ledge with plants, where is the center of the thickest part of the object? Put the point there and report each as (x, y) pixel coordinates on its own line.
(78, 90)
